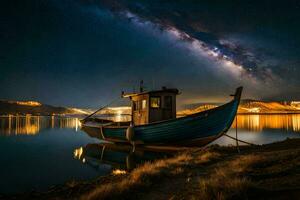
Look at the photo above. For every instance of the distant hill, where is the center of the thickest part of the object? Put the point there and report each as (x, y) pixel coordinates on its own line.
(35, 108)
(249, 106)
(254, 106)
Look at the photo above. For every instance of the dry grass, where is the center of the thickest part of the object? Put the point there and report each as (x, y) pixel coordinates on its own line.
(228, 181)
(142, 176)
(206, 157)
(149, 174)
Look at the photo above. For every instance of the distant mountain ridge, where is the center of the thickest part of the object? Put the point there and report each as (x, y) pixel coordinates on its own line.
(35, 108)
(255, 106)
(247, 106)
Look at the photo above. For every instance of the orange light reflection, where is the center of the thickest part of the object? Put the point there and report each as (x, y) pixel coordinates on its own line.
(290, 122)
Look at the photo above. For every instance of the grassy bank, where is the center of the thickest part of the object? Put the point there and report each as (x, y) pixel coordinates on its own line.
(259, 172)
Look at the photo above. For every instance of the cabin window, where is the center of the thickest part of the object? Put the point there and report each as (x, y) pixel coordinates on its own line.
(144, 104)
(168, 101)
(155, 102)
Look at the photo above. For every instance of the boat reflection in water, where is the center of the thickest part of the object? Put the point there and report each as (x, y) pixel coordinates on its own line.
(122, 158)
(31, 125)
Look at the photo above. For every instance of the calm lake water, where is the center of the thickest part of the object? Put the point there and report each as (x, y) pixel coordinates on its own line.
(39, 152)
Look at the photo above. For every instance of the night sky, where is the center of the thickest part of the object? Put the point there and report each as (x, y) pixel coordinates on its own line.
(83, 53)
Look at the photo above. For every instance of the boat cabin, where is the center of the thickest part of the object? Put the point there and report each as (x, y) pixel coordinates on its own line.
(153, 106)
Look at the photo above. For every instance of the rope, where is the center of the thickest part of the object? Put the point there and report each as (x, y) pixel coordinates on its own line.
(236, 134)
(100, 109)
(240, 140)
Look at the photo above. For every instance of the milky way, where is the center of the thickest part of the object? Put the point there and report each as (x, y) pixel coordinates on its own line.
(184, 20)
(83, 53)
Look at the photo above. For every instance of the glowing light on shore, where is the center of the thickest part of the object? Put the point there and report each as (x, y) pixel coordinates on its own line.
(118, 114)
(26, 103)
(118, 172)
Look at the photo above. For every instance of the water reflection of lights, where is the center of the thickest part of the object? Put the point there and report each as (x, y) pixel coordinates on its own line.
(78, 153)
(296, 123)
(289, 122)
(119, 115)
(31, 125)
(118, 172)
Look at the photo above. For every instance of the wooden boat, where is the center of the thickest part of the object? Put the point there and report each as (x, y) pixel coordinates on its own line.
(193, 130)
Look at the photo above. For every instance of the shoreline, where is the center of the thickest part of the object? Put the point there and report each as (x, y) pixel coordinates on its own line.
(268, 171)
(78, 115)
